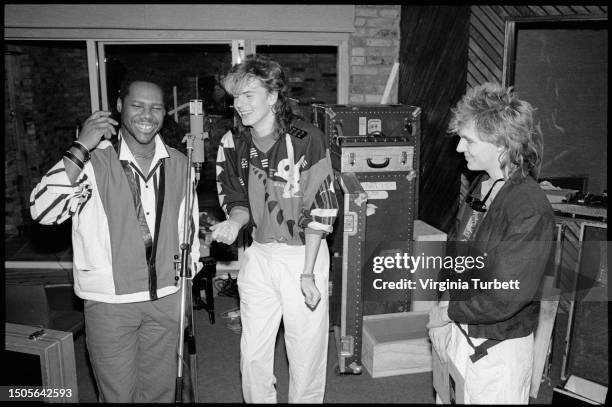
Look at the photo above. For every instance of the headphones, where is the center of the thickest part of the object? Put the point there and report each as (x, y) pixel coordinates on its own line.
(477, 204)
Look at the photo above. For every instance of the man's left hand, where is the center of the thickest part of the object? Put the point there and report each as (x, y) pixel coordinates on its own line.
(440, 337)
(311, 293)
(438, 316)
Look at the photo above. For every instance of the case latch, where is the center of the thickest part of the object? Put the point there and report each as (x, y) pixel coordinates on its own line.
(347, 346)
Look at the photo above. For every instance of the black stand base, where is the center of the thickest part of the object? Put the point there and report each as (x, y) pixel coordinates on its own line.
(204, 281)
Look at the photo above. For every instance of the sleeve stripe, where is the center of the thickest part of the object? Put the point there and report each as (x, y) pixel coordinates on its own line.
(50, 207)
(39, 194)
(63, 212)
(319, 226)
(321, 212)
(324, 208)
(53, 172)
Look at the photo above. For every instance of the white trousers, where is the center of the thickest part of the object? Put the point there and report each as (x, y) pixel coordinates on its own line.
(269, 288)
(503, 376)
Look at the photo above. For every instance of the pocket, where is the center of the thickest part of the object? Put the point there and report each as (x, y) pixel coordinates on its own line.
(80, 255)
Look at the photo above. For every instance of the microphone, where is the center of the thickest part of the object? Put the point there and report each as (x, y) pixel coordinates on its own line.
(196, 131)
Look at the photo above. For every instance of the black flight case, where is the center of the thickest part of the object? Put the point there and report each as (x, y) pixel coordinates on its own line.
(375, 156)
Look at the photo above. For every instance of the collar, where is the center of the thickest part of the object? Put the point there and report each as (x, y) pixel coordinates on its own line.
(511, 182)
(161, 152)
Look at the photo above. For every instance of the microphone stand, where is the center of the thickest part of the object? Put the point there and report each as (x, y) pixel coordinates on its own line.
(185, 275)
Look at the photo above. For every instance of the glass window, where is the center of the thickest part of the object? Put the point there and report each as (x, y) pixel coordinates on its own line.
(185, 72)
(46, 96)
(311, 72)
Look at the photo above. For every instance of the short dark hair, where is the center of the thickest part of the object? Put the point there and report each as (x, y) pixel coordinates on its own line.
(124, 88)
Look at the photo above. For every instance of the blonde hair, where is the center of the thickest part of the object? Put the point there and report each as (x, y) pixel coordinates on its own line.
(501, 118)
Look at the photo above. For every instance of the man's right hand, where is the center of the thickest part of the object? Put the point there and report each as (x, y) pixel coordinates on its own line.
(226, 231)
(440, 337)
(98, 125)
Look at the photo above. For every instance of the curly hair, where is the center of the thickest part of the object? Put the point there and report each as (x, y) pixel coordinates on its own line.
(270, 74)
(501, 118)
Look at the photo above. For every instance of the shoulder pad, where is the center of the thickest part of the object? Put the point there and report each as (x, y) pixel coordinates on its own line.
(297, 132)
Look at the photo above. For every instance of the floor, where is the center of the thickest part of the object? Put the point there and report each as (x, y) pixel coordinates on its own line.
(218, 351)
(218, 354)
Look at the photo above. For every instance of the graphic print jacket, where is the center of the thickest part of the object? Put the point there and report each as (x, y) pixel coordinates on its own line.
(292, 185)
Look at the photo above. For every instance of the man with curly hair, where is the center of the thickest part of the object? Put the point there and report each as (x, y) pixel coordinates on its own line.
(274, 177)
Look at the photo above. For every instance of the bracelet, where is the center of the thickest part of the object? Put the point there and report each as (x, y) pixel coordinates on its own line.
(81, 147)
(307, 275)
(75, 160)
(80, 155)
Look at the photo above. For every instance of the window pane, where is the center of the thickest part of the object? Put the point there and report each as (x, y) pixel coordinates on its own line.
(195, 71)
(310, 72)
(46, 94)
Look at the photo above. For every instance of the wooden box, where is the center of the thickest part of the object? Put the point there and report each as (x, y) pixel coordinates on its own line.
(395, 344)
(428, 241)
(447, 381)
(580, 392)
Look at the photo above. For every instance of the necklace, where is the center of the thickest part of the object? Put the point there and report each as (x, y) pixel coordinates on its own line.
(144, 156)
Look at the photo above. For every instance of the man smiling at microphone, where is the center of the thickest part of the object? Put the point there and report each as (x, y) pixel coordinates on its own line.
(126, 201)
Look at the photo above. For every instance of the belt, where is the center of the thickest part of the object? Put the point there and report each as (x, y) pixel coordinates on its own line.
(480, 351)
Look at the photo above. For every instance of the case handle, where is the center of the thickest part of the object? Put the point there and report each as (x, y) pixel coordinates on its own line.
(381, 165)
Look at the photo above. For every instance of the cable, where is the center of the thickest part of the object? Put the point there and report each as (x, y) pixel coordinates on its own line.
(226, 287)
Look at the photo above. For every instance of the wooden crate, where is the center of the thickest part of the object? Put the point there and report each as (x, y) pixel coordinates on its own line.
(395, 344)
(448, 383)
(428, 241)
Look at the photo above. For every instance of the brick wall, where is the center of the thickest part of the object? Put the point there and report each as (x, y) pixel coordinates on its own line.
(52, 90)
(55, 94)
(310, 71)
(374, 47)
(12, 212)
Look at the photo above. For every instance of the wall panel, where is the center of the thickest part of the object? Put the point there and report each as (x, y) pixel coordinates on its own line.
(433, 72)
(487, 27)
